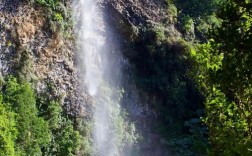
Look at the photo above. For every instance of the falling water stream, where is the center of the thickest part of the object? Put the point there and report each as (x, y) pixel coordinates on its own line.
(101, 62)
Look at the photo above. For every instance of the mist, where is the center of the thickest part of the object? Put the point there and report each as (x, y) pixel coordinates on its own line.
(100, 56)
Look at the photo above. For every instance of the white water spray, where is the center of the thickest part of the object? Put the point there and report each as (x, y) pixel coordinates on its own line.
(90, 44)
(101, 60)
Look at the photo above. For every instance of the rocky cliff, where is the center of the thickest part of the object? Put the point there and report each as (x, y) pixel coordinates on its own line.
(136, 24)
(36, 48)
(31, 49)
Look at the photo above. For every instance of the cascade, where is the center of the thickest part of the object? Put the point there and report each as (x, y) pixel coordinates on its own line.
(101, 61)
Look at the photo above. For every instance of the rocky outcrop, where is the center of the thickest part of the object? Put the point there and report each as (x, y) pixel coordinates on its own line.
(31, 50)
(48, 58)
(138, 21)
(141, 12)
(129, 17)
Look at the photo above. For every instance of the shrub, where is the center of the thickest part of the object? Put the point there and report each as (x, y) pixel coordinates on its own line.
(27, 130)
(57, 14)
(8, 129)
(172, 12)
(33, 131)
(187, 23)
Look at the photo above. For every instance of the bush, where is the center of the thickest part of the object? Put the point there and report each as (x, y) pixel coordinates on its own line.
(33, 131)
(27, 130)
(172, 12)
(59, 18)
(65, 140)
(8, 129)
(187, 23)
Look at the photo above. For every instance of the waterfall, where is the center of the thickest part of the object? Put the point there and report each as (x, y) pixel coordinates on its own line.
(101, 59)
(91, 43)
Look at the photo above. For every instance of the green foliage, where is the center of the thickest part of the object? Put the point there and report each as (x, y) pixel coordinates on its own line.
(85, 126)
(49, 3)
(24, 64)
(227, 128)
(207, 23)
(8, 130)
(197, 134)
(33, 131)
(191, 142)
(125, 131)
(27, 130)
(161, 67)
(172, 12)
(54, 111)
(64, 139)
(222, 72)
(160, 34)
(200, 14)
(206, 65)
(58, 15)
(196, 8)
(187, 23)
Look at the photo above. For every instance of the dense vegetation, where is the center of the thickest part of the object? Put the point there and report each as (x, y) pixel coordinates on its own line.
(162, 74)
(29, 128)
(224, 76)
(202, 83)
(222, 72)
(35, 123)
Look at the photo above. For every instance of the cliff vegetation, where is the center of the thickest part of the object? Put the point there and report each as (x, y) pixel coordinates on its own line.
(188, 71)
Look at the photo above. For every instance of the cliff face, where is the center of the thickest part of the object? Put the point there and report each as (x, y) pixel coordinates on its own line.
(135, 23)
(158, 93)
(33, 48)
(129, 16)
(140, 12)
(30, 49)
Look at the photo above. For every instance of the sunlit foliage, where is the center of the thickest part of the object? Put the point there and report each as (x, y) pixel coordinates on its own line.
(223, 73)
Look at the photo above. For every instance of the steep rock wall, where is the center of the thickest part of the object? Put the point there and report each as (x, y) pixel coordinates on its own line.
(31, 50)
(134, 22)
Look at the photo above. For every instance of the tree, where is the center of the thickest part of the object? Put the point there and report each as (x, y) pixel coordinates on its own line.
(233, 40)
(8, 130)
(223, 73)
(33, 130)
(65, 140)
